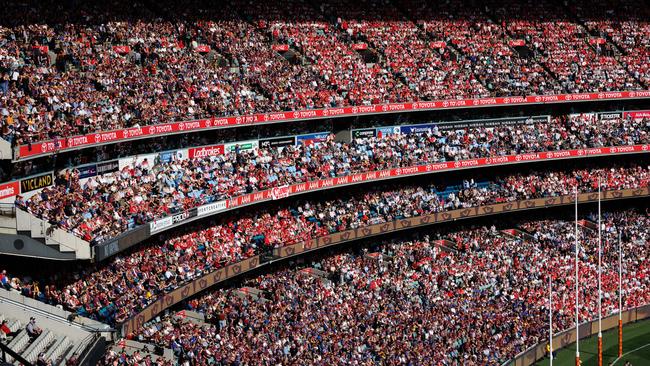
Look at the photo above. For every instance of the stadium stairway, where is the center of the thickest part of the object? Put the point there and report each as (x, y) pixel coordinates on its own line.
(254, 293)
(57, 348)
(189, 315)
(23, 234)
(63, 335)
(316, 273)
(130, 347)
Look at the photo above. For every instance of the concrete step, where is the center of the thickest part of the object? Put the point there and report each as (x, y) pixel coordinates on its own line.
(251, 292)
(192, 316)
(314, 272)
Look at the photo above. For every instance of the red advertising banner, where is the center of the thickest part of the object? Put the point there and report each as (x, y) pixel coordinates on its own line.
(122, 49)
(202, 152)
(280, 192)
(637, 114)
(280, 47)
(517, 43)
(359, 46)
(202, 48)
(9, 189)
(47, 147)
(438, 44)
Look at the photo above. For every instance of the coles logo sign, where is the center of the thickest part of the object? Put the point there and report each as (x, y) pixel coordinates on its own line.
(203, 152)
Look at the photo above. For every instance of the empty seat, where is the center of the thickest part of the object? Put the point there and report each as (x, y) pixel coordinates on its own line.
(38, 345)
(18, 343)
(57, 349)
(13, 324)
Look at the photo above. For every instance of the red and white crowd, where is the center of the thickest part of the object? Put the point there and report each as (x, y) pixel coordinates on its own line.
(116, 290)
(69, 70)
(627, 26)
(99, 208)
(412, 302)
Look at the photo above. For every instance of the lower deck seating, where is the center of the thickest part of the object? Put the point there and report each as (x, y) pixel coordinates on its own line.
(54, 347)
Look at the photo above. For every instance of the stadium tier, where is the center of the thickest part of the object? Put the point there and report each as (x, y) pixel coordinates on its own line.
(370, 182)
(480, 302)
(117, 290)
(78, 70)
(98, 209)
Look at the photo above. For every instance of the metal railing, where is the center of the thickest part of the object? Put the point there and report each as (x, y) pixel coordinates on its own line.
(8, 209)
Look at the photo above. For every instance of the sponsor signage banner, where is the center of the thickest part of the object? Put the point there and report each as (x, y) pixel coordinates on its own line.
(204, 152)
(38, 182)
(108, 167)
(167, 222)
(278, 142)
(312, 138)
(637, 114)
(87, 171)
(423, 128)
(166, 157)
(211, 208)
(497, 122)
(160, 224)
(383, 132)
(457, 125)
(182, 216)
(242, 145)
(9, 189)
(609, 115)
(363, 133)
(51, 146)
(280, 192)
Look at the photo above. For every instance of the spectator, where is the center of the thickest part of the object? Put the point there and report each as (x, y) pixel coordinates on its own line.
(33, 331)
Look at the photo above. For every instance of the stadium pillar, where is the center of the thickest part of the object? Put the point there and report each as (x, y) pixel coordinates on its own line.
(600, 312)
(576, 279)
(620, 296)
(620, 337)
(600, 350)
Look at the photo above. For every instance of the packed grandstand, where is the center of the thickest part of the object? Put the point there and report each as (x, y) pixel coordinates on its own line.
(365, 182)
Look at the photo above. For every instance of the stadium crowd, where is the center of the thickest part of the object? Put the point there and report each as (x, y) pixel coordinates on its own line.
(67, 71)
(115, 290)
(100, 208)
(627, 27)
(411, 302)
